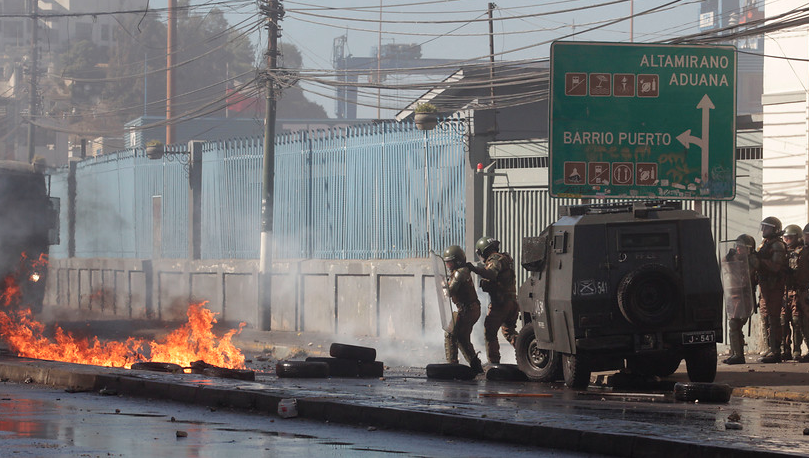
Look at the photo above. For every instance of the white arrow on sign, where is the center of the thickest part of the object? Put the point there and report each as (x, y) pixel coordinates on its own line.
(687, 139)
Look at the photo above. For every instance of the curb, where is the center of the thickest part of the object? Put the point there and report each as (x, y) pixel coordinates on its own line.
(163, 386)
(767, 393)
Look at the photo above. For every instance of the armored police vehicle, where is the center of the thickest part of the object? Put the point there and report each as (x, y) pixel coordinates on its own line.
(625, 285)
(29, 224)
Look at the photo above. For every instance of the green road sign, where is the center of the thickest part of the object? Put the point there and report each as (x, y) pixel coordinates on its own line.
(631, 120)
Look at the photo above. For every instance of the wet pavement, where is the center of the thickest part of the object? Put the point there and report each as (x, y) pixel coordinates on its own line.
(593, 421)
(44, 422)
(767, 400)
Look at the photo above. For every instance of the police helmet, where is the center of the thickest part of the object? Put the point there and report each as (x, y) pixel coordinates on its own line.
(793, 230)
(806, 229)
(485, 244)
(746, 240)
(455, 254)
(773, 222)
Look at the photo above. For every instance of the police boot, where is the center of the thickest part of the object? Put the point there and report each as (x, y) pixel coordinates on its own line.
(774, 355)
(797, 338)
(805, 332)
(736, 351)
(476, 365)
(765, 335)
(450, 348)
(786, 338)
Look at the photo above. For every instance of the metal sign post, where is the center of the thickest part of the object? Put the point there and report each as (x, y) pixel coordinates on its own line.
(630, 120)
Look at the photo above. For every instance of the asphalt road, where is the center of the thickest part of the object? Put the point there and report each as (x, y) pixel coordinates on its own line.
(45, 422)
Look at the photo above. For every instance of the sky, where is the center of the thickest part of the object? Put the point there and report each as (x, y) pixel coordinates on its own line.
(458, 29)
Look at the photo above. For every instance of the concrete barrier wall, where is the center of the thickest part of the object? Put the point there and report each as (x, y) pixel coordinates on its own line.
(383, 298)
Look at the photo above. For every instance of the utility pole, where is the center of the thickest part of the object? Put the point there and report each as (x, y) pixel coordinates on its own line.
(274, 11)
(379, 66)
(34, 67)
(171, 48)
(492, 6)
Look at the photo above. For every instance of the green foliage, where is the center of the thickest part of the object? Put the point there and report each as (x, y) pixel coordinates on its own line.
(425, 108)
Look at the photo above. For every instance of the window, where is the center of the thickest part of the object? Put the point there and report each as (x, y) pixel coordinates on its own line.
(84, 31)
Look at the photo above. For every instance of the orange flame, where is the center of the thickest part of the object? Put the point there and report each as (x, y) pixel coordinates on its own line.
(191, 342)
(11, 292)
(195, 341)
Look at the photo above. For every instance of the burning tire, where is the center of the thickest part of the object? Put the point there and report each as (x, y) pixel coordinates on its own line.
(449, 371)
(702, 392)
(157, 367)
(302, 369)
(506, 373)
(338, 367)
(537, 364)
(346, 351)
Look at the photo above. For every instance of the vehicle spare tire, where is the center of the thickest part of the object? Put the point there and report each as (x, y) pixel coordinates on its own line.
(449, 371)
(301, 369)
(505, 373)
(702, 392)
(649, 295)
(339, 350)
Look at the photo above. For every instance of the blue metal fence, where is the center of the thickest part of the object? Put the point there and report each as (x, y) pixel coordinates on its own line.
(367, 192)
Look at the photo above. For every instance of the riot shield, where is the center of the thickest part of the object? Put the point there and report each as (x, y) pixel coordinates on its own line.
(444, 302)
(736, 285)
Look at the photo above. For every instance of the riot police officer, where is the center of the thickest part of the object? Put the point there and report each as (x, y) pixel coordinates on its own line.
(745, 250)
(772, 256)
(802, 288)
(790, 316)
(500, 281)
(461, 291)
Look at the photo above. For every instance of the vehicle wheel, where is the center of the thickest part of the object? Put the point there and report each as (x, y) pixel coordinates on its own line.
(301, 369)
(702, 392)
(449, 371)
(661, 365)
(339, 367)
(537, 364)
(505, 373)
(576, 370)
(339, 350)
(649, 295)
(370, 369)
(701, 363)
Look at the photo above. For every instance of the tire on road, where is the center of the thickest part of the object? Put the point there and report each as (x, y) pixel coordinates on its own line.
(576, 371)
(157, 367)
(449, 371)
(701, 363)
(537, 364)
(370, 369)
(506, 373)
(702, 392)
(338, 367)
(302, 369)
(346, 351)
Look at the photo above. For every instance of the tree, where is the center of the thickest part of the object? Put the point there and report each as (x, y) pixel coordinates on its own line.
(293, 104)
